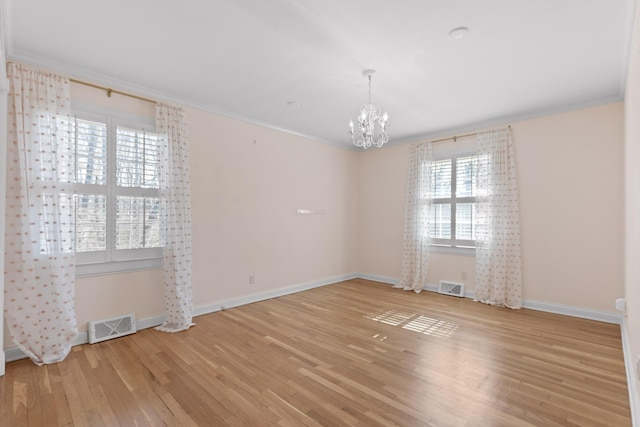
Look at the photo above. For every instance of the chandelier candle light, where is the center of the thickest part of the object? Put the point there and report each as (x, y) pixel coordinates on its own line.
(372, 123)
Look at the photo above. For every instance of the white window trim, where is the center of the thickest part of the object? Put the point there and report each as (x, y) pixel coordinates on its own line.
(452, 250)
(148, 259)
(436, 247)
(117, 267)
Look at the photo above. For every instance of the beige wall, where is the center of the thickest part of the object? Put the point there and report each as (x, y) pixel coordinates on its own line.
(101, 297)
(570, 176)
(247, 182)
(571, 181)
(632, 199)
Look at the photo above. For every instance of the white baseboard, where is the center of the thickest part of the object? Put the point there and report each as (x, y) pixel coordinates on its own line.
(583, 313)
(14, 353)
(632, 383)
(249, 299)
(150, 322)
(381, 279)
(567, 310)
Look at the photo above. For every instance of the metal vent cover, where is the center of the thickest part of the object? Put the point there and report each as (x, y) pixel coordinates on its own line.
(114, 327)
(451, 288)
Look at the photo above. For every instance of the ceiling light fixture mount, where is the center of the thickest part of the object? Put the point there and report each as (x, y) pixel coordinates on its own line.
(372, 123)
(458, 33)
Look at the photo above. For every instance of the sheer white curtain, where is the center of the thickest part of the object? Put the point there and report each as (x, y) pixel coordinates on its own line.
(39, 245)
(498, 261)
(175, 191)
(415, 244)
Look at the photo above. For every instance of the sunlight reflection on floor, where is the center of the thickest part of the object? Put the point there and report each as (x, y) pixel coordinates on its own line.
(414, 322)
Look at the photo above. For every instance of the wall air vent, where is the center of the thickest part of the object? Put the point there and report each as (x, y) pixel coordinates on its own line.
(106, 329)
(451, 288)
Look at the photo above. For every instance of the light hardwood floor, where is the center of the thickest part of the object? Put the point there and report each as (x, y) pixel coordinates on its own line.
(353, 353)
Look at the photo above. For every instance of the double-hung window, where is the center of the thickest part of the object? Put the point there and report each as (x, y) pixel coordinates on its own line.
(118, 222)
(453, 197)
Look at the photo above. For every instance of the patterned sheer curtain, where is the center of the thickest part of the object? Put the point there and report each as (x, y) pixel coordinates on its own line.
(498, 261)
(415, 245)
(175, 192)
(39, 245)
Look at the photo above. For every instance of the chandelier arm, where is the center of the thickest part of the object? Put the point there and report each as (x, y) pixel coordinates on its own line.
(371, 127)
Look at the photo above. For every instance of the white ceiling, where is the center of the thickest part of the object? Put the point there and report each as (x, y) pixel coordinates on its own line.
(249, 58)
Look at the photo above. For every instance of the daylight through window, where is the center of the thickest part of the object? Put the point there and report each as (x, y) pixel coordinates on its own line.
(118, 215)
(453, 192)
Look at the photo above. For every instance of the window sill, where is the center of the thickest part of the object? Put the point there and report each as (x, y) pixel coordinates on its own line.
(452, 250)
(104, 268)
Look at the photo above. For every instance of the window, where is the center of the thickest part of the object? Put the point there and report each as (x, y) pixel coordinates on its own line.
(117, 195)
(453, 196)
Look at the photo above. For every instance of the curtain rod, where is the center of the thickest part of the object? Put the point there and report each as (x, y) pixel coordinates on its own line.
(106, 89)
(455, 137)
(110, 91)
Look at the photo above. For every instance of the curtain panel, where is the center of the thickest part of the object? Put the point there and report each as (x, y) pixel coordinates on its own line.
(175, 193)
(39, 245)
(498, 258)
(415, 240)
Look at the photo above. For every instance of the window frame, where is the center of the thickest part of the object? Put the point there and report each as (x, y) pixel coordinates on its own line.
(453, 245)
(112, 260)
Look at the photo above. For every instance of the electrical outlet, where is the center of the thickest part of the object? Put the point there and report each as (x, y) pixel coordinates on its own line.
(252, 279)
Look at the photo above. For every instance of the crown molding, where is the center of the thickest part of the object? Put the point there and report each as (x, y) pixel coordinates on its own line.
(503, 121)
(121, 85)
(146, 92)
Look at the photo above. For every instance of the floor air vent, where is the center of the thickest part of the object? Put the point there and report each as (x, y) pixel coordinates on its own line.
(451, 288)
(105, 329)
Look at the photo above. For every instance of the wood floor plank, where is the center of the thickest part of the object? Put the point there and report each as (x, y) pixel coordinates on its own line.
(357, 353)
(61, 415)
(288, 413)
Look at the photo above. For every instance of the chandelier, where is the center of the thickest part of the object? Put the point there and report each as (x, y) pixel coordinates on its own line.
(372, 123)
